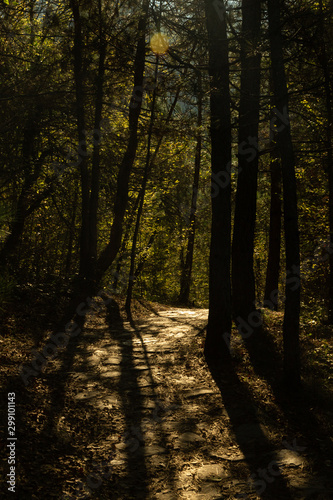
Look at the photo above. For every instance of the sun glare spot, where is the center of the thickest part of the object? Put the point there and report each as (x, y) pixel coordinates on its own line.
(159, 43)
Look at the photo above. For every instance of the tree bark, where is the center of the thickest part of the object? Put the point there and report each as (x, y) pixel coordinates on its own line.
(82, 147)
(152, 160)
(243, 281)
(109, 253)
(95, 169)
(186, 274)
(275, 224)
(329, 155)
(219, 319)
(274, 245)
(291, 361)
(71, 234)
(142, 200)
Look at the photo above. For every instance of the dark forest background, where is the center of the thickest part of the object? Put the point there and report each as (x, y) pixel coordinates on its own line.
(110, 131)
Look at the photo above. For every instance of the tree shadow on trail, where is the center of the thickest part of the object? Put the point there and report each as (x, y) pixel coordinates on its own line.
(296, 406)
(48, 449)
(136, 480)
(135, 395)
(267, 363)
(265, 476)
(38, 443)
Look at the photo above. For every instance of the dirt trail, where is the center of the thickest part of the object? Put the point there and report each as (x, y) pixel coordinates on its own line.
(148, 421)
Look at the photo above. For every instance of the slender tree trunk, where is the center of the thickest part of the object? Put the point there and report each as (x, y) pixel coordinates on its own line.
(185, 282)
(142, 199)
(219, 320)
(274, 245)
(291, 362)
(82, 148)
(329, 155)
(153, 158)
(68, 263)
(243, 281)
(95, 170)
(110, 251)
(275, 224)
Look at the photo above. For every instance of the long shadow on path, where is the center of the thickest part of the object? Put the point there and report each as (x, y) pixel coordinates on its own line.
(38, 446)
(260, 455)
(297, 406)
(45, 452)
(137, 394)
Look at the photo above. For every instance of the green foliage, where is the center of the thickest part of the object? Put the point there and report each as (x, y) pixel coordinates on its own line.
(39, 148)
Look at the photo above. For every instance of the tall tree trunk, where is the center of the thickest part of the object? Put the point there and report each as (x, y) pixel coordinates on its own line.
(110, 251)
(95, 169)
(185, 281)
(142, 199)
(274, 245)
(243, 281)
(291, 362)
(152, 160)
(329, 155)
(68, 263)
(275, 223)
(82, 148)
(129, 222)
(219, 320)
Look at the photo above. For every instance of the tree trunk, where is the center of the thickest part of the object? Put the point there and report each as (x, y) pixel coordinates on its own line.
(329, 155)
(243, 281)
(95, 169)
(82, 148)
(110, 251)
(219, 320)
(153, 158)
(71, 235)
(185, 281)
(274, 246)
(291, 361)
(142, 199)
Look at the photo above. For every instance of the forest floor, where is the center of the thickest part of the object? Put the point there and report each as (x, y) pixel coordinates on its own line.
(131, 411)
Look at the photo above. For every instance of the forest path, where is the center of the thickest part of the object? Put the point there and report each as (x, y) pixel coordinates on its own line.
(153, 424)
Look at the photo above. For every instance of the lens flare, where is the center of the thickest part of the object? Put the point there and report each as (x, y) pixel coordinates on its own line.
(159, 44)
